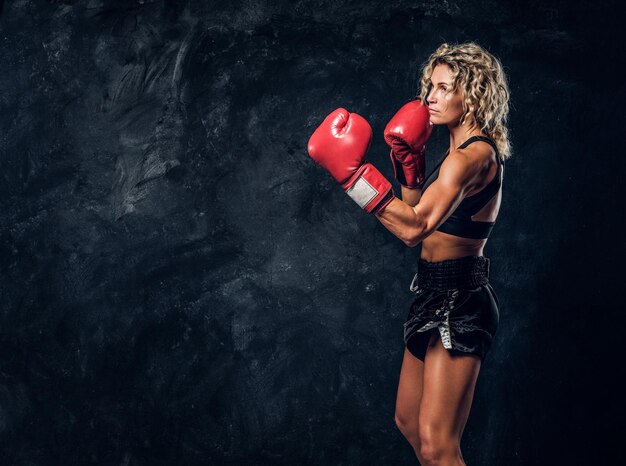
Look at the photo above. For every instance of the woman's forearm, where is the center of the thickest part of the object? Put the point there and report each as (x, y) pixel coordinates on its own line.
(411, 196)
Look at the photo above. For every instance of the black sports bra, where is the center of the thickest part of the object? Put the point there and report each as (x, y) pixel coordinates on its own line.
(460, 222)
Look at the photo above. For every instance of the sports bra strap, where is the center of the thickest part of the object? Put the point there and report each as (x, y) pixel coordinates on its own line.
(479, 138)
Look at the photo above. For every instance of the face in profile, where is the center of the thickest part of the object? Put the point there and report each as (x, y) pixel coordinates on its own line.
(445, 103)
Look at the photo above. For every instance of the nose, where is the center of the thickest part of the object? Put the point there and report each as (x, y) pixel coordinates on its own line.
(430, 97)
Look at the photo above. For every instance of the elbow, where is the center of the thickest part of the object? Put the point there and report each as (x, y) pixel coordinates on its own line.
(412, 242)
(417, 231)
(417, 235)
(414, 238)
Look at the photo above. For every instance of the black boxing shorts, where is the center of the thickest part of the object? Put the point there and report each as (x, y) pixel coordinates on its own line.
(454, 298)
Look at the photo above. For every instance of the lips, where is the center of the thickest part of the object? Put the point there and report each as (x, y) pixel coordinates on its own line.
(432, 111)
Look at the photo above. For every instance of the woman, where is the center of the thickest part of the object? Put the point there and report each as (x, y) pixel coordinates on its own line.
(453, 319)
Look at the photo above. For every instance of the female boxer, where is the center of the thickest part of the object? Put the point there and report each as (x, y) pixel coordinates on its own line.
(453, 319)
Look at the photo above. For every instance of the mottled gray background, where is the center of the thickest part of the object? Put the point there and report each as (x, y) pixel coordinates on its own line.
(181, 284)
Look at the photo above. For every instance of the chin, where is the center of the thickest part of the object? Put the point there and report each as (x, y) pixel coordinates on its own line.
(434, 120)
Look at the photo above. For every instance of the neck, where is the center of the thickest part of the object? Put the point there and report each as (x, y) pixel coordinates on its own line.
(460, 133)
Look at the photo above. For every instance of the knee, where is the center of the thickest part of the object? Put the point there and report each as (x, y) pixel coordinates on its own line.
(437, 447)
(407, 425)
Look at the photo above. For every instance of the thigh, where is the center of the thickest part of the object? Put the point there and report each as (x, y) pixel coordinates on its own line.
(448, 390)
(409, 388)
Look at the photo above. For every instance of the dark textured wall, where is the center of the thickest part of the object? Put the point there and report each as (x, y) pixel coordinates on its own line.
(181, 284)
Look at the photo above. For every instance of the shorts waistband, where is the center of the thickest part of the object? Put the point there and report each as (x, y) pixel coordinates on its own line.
(465, 272)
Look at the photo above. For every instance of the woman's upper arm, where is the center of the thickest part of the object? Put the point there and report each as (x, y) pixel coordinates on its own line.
(457, 174)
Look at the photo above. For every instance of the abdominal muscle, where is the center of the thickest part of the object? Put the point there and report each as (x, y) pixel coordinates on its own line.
(441, 246)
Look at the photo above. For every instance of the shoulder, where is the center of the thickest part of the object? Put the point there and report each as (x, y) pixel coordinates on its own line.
(466, 166)
(477, 153)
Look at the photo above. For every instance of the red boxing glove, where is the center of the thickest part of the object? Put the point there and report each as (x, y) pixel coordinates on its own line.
(339, 145)
(407, 133)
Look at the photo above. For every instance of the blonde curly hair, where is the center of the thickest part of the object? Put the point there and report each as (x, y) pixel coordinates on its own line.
(483, 85)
